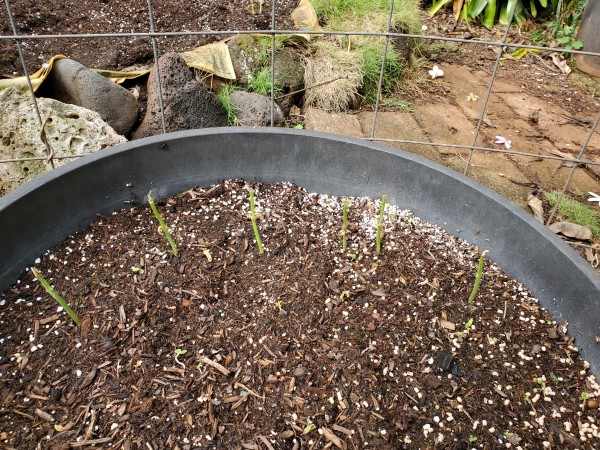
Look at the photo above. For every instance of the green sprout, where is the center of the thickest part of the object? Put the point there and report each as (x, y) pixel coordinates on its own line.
(478, 277)
(380, 224)
(345, 224)
(260, 6)
(55, 296)
(554, 378)
(584, 395)
(163, 226)
(278, 303)
(253, 218)
(179, 352)
(472, 438)
(469, 324)
(345, 294)
(542, 382)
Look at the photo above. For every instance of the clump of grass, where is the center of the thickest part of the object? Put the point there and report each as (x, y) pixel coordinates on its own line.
(224, 97)
(332, 76)
(478, 277)
(372, 53)
(573, 211)
(253, 219)
(260, 82)
(163, 226)
(56, 296)
(380, 224)
(345, 224)
(371, 15)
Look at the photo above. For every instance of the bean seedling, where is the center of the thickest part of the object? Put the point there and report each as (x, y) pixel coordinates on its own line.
(163, 226)
(55, 296)
(380, 224)
(345, 224)
(478, 277)
(253, 219)
(179, 352)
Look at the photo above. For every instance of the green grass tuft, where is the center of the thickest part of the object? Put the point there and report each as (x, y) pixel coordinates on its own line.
(224, 97)
(260, 82)
(573, 211)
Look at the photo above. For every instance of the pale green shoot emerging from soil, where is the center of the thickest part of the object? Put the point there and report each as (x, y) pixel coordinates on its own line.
(380, 224)
(345, 224)
(478, 277)
(55, 296)
(163, 226)
(253, 219)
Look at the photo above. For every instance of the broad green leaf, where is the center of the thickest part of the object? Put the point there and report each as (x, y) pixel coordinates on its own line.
(489, 15)
(520, 13)
(437, 5)
(577, 45)
(544, 3)
(475, 7)
(505, 11)
(563, 40)
(532, 8)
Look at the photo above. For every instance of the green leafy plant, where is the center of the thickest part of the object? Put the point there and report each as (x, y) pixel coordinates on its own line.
(488, 10)
(380, 224)
(478, 277)
(574, 211)
(278, 303)
(224, 97)
(163, 226)
(472, 438)
(56, 296)
(345, 224)
(253, 219)
(565, 36)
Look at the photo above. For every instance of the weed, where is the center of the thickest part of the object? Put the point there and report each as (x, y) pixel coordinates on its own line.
(472, 438)
(380, 224)
(56, 296)
(261, 81)
(253, 219)
(574, 211)
(163, 226)
(345, 224)
(478, 277)
(224, 97)
(278, 303)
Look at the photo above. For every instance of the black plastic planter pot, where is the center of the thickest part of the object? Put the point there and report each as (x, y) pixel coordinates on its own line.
(43, 212)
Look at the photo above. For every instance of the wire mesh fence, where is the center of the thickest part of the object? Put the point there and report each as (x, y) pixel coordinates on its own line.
(153, 36)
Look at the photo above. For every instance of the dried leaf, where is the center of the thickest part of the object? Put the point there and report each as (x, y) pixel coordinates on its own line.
(330, 436)
(572, 230)
(61, 428)
(560, 62)
(448, 325)
(536, 206)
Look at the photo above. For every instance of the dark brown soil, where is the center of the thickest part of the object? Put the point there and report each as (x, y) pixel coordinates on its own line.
(304, 347)
(125, 16)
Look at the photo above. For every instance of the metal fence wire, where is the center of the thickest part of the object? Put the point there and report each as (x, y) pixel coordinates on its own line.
(152, 35)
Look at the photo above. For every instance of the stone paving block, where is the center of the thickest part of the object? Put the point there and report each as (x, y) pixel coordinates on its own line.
(337, 123)
(399, 125)
(445, 123)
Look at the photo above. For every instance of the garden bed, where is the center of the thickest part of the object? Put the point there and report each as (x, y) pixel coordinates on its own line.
(304, 346)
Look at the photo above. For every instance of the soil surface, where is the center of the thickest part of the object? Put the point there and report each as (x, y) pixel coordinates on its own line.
(307, 346)
(125, 16)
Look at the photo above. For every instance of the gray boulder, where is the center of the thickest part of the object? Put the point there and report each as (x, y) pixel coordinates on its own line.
(254, 110)
(72, 82)
(70, 130)
(188, 104)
